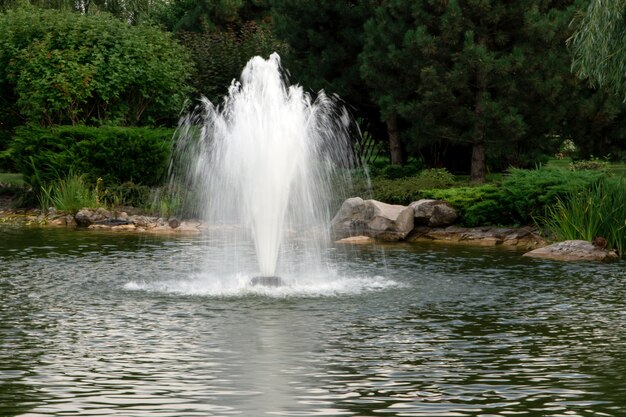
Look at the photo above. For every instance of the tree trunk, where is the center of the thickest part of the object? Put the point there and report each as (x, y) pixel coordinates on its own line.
(478, 168)
(396, 148)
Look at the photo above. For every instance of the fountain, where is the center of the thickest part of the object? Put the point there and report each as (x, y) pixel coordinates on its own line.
(262, 164)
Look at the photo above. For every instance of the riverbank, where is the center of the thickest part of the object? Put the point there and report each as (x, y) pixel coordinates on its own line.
(121, 221)
(527, 239)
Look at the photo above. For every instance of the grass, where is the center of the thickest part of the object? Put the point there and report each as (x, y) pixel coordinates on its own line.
(69, 194)
(616, 168)
(597, 210)
(9, 178)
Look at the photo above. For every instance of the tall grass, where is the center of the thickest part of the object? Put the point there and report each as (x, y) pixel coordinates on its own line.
(596, 210)
(69, 194)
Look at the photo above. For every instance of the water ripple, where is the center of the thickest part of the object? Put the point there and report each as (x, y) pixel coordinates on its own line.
(132, 326)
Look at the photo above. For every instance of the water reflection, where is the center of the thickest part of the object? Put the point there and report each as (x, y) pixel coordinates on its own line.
(467, 332)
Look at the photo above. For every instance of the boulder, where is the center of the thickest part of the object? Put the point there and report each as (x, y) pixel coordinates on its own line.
(433, 213)
(86, 217)
(372, 218)
(143, 221)
(573, 250)
(350, 219)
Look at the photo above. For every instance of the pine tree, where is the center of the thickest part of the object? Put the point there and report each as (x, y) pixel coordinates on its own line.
(325, 38)
(485, 75)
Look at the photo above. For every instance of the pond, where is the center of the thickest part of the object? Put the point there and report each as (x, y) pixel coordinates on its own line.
(132, 325)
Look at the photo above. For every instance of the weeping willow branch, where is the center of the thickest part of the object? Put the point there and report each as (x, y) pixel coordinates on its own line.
(599, 45)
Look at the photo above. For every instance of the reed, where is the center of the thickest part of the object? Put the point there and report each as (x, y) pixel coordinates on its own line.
(596, 210)
(68, 194)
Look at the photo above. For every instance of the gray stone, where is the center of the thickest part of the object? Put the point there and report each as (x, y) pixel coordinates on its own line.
(86, 217)
(573, 250)
(350, 219)
(372, 218)
(479, 236)
(433, 213)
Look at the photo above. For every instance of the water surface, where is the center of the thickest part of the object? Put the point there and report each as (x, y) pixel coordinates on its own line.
(131, 325)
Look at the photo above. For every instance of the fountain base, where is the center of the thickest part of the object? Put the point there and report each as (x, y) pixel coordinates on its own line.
(267, 281)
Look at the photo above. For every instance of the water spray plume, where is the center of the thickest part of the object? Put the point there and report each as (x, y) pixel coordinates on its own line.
(266, 162)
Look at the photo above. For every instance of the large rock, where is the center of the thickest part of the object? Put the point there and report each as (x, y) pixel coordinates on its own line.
(372, 218)
(86, 217)
(573, 250)
(433, 213)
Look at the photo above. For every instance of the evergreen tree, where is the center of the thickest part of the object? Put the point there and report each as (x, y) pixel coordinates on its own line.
(490, 76)
(324, 40)
(212, 15)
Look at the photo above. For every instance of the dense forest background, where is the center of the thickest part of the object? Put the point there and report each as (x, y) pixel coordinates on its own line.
(470, 85)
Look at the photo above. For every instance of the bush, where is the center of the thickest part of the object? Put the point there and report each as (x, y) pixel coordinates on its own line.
(115, 154)
(525, 193)
(62, 67)
(436, 178)
(522, 195)
(476, 206)
(220, 56)
(127, 194)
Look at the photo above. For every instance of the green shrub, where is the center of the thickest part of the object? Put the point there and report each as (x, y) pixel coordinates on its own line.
(393, 172)
(476, 206)
(436, 178)
(596, 210)
(521, 196)
(62, 67)
(405, 190)
(116, 154)
(526, 193)
(127, 194)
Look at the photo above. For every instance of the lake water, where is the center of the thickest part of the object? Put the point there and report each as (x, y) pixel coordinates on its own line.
(133, 325)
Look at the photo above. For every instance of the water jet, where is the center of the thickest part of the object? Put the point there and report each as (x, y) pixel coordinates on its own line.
(265, 165)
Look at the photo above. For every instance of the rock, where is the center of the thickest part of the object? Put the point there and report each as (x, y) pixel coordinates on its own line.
(124, 227)
(173, 223)
(356, 240)
(372, 218)
(70, 221)
(350, 219)
(389, 222)
(479, 236)
(573, 250)
(86, 217)
(122, 215)
(143, 221)
(57, 221)
(433, 213)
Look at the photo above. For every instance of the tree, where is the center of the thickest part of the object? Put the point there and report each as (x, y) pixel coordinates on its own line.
(599, 45)
(487, 76)
(220, 56)
(60, 67)
(325, 38)
(129, 11)
(212, 15)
